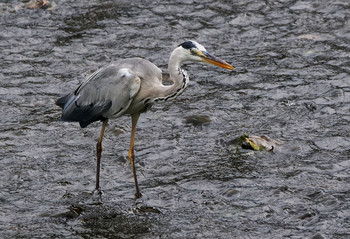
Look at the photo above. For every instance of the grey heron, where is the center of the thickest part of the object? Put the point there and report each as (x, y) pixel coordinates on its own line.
(130, 87)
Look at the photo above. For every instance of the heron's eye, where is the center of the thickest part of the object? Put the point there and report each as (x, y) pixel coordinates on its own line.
(192, 52)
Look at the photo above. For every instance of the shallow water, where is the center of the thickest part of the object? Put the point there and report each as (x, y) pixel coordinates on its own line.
(291, 82)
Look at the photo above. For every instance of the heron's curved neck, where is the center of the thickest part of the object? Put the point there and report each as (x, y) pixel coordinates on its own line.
(178, 76)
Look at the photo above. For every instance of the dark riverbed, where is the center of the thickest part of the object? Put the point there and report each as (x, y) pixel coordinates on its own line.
(291, 82)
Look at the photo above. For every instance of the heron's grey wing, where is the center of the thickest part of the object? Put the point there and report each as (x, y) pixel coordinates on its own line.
(107, 93)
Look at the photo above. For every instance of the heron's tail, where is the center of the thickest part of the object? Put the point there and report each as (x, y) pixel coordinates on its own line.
(74, 111)
(61, 102)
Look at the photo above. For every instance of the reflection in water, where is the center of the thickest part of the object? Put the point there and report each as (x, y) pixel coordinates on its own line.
(291, 82)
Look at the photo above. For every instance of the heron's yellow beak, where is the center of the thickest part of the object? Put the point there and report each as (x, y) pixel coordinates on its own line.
(211, 59)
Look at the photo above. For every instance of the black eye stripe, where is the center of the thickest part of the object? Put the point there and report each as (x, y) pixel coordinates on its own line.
(188, 45)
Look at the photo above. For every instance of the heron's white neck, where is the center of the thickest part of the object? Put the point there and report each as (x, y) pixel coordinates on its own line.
(178, 76)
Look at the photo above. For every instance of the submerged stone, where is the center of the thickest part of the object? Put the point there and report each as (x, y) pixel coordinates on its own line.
(198, 120)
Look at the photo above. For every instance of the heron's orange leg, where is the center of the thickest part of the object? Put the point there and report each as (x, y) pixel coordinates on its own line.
(131, 154)
(98, 154)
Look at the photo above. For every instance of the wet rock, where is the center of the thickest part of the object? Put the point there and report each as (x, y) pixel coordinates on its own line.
(258, 143)
(117, 131)
(143, 209)
(34, 4)
(197, 120)
(43, 4)
(231, 193)
(306, 216)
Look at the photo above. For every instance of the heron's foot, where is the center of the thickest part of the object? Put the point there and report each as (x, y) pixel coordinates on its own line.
(97, 192)
(138, 195)
(96, 198)
(97, 195)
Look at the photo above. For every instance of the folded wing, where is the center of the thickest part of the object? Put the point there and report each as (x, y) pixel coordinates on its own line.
(107, 93)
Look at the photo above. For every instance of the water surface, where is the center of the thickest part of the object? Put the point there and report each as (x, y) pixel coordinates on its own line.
(291, 82)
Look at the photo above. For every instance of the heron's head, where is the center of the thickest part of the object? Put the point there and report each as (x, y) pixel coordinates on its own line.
(193, 51)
